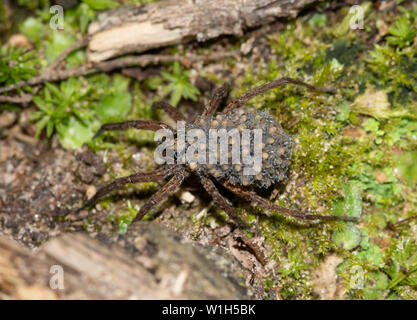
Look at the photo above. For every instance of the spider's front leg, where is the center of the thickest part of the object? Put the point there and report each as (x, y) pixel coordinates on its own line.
(166, 191)
(240, 101)
(155, 175)
(253, 197)
(137, 124)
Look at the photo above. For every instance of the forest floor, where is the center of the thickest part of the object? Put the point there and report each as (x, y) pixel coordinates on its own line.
(355, 151)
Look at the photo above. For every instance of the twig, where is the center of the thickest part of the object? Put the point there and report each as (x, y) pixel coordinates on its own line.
(22, 99)
(78, 45)
(107, 66)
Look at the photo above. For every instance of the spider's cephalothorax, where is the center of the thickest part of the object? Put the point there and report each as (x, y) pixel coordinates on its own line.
(270, 164)
(275, 152)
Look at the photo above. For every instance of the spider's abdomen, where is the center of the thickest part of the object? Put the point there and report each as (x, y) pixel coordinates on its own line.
(274, 153)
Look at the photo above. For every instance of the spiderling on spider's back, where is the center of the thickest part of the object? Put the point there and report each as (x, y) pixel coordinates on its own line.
(276, 146)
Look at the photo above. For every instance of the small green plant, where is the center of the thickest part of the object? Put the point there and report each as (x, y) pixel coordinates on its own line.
(34, 29)
(63, 108)
(76, 108)
(84, 14)
(402, 33)
(126, 218)
(179, 85)
(403, 266)
(16, 65)
(294, 265)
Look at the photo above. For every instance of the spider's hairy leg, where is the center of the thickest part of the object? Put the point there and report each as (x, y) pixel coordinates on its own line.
(166, 191)
(216, 99)
(253, 197)
(239, 101)
(137, 124)
(221, 201)
(155, 175)
(172, 112)
(212, 190)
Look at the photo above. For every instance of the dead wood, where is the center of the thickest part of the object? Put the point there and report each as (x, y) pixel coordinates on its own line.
(140, 28)
(150, 262)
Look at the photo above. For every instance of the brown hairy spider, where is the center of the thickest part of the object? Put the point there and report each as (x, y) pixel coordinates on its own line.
(276, 155)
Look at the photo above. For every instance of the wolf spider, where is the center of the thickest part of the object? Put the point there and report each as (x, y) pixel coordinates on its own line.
(231, 180)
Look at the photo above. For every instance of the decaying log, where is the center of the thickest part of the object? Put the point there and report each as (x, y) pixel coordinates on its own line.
(167, 22)
(150, 262)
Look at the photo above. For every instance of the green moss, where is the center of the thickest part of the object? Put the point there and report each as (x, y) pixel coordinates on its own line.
(329, 161)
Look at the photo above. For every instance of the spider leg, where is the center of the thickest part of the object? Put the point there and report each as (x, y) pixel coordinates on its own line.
(253, 197)
(155, 175)
(224, 203)
(138, 124)
(239, 101)
(216, 99)
(173, 112)
(166, 191)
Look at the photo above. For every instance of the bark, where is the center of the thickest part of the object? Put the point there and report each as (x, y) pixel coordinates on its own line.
(139, 28)
(150, 262)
